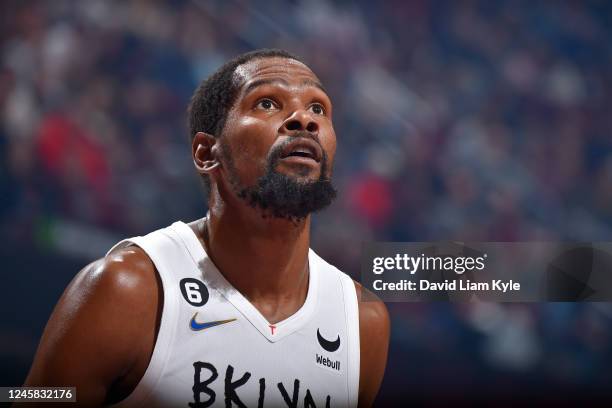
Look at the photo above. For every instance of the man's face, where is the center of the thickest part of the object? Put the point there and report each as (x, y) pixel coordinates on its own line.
(278, 144)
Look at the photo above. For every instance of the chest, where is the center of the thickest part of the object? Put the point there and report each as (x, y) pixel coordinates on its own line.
(219, 353)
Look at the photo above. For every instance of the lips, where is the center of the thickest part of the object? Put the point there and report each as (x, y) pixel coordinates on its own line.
(306, 148)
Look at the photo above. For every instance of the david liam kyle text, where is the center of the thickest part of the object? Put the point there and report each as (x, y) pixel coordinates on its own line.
(495, 285)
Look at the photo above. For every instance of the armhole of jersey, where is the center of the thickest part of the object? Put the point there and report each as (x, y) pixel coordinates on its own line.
(351, 308)
(165, 336)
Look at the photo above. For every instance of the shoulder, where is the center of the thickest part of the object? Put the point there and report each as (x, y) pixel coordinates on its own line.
(111, 297)
(374, 322)
(104, 325)
(123, 282)
(373, 313)
(124, 279)
(120, 292)
(125, 271)
(374, 329)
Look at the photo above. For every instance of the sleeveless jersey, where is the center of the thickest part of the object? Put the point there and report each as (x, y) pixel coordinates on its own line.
(214, 348)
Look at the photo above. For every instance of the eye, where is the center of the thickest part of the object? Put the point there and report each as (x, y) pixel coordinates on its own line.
(317, 109)
(266, 104)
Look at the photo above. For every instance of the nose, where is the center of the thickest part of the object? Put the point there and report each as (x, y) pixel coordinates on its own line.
(300, 120)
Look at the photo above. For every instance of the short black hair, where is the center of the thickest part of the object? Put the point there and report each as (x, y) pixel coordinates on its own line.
(216, 94)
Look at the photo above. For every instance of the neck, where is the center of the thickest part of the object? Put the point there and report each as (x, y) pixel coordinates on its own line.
(266, 259)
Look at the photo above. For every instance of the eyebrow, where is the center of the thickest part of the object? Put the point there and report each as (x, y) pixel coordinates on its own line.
(271, 81)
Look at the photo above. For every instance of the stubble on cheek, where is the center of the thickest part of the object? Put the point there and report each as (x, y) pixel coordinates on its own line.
(242, 163)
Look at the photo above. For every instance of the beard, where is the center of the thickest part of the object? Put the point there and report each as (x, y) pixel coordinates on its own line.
(279, 195)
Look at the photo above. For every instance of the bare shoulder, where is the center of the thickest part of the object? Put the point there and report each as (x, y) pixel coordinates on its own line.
(372, 311)
(121, 286)
(102, 328)
(374, 329)
(126, 271)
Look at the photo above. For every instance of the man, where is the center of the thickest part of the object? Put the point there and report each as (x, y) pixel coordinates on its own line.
(233, 309)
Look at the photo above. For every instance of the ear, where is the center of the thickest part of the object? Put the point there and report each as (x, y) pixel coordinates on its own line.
(204, 152)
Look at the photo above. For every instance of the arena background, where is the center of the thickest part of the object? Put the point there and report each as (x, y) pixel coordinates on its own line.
(468, 120)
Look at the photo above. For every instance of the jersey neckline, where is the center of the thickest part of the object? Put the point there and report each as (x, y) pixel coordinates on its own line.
(272, 332)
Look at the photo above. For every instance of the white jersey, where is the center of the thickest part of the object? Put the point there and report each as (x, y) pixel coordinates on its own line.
(214, 348)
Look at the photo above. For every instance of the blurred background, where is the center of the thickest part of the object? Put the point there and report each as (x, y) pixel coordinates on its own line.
(472, 120)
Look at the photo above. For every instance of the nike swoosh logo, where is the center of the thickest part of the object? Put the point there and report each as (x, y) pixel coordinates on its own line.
(195, 326)
(327, 345)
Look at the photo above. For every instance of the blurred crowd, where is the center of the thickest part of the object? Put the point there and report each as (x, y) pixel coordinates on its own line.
(476, 121)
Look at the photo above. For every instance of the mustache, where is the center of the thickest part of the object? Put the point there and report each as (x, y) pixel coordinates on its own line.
(277, 151)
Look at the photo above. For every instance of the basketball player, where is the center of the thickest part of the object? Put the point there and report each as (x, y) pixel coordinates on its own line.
(233, 309)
